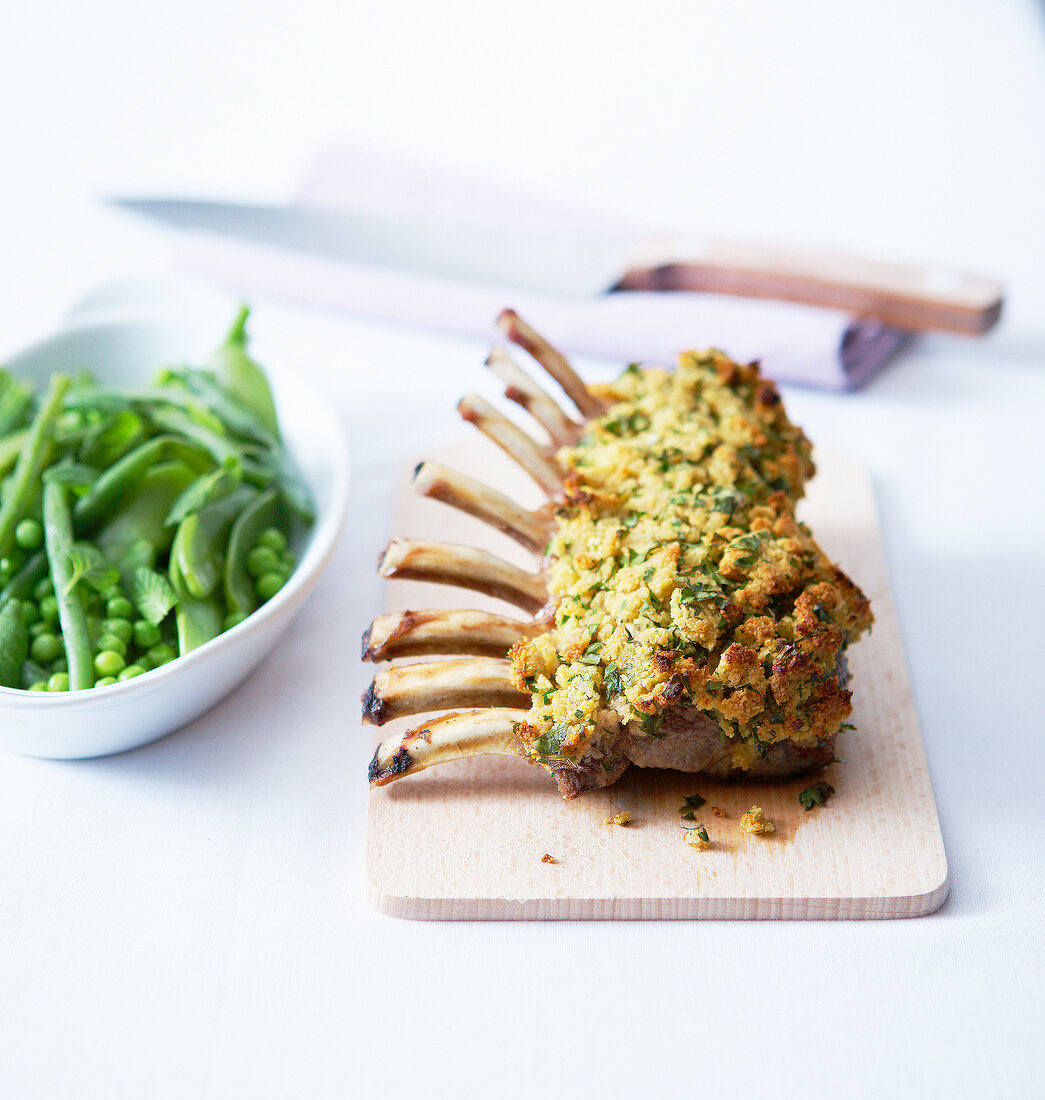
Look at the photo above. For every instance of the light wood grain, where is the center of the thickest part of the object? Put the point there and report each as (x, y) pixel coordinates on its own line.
(464, 841)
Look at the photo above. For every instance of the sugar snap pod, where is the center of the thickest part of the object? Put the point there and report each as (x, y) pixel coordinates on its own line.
(683, 616)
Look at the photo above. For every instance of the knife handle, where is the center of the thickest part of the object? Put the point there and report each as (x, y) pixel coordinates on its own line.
(902, 295)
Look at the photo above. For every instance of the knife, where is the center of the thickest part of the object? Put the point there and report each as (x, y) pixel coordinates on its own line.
(582, 265)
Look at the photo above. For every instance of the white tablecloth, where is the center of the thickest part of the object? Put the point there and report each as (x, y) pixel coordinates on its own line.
(189, 920)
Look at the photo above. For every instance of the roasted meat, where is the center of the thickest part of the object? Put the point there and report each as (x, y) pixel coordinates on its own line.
(681, 616)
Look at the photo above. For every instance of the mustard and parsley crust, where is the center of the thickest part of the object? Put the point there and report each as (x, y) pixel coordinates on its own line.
(679, 575)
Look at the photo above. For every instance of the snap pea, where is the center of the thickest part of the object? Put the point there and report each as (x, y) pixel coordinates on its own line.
(197, 621)
(142, 517)
(31, 462)
(14, 644)
(253, 520)
(242, 378)
(126, 475)
(199, 545)
(58, 535)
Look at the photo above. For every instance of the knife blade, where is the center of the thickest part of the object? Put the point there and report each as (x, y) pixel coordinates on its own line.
(905, 296)
(579, 266)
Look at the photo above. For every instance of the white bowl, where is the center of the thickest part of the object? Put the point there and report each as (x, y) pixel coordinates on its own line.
(76, 724)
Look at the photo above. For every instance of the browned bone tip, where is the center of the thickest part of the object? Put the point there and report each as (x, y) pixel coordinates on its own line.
(524, 391)
(489, 732)
(440, 685)
(488, 505)
(465, 567)
(553, 361)
(438, 631)
(536, 460)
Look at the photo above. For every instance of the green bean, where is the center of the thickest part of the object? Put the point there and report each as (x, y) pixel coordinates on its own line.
(248, 528)
(10, 448)
(58, 534)
(15, 400)
(31, 461)
(200, 543)
(126, 475)
(14, 644)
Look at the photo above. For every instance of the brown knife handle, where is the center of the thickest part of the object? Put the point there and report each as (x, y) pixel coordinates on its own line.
(902, 295)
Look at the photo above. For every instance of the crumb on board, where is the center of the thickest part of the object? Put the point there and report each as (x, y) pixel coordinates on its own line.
(718, 811)
(698, 838)
(547, 858)
(621, 818)
(756, 823)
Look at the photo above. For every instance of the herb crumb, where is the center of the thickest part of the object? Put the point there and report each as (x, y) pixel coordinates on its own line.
(816, 795)
(621, 818)
(756, 822)
(690, 805)
(698, 839)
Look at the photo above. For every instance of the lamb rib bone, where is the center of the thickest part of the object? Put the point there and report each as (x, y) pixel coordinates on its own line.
(428, 633)
(536, 460)
(459, 491)
(553, 361)
(466, 567)
(451, 737)
(440, 685)
(521, 388)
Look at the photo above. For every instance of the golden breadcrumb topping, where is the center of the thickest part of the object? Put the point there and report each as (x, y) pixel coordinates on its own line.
(680, 574)
(756, 823)
(698, 838)
(621, 818)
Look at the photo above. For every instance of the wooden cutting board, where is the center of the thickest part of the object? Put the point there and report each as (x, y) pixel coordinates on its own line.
(464, 841)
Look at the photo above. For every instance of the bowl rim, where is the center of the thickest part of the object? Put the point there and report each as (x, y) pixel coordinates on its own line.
(323, 536)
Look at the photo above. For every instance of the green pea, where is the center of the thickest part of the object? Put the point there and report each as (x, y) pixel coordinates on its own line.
(113, 643)
(30, 613)
(119, 607)
(43, 589)
(130, 672)
(262, 560)
(146, 635)
(39, 627)
(233, 618)
(105, 681)
(108, 663)
(46, 648)
(58, 682)
(268, 584)
(274, 539)
(161, 654)
(120, 627)
(40, 685)
(60, 664)
(29, 534)
(49, 609)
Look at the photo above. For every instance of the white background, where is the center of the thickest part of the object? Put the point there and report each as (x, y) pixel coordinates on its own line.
(189, 919)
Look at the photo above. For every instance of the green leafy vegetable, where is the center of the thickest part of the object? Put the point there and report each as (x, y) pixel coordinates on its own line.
(816, 795)
(153, 594)
(689, 807)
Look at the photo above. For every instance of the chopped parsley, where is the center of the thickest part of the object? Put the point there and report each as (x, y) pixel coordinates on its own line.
(690, 806)
(816, 795)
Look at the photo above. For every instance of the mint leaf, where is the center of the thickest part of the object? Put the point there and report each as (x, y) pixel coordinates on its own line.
(87, 566)
(153, 594)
